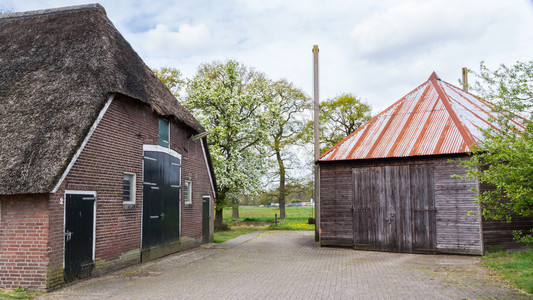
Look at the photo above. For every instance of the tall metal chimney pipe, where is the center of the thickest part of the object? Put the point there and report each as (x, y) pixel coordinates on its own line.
(465, 79)
(317, 143)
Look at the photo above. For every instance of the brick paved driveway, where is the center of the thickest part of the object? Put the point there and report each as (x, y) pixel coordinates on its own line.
(290, 265)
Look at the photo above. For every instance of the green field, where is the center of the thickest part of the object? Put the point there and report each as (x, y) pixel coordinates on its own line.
(253, 218)
(295, 215)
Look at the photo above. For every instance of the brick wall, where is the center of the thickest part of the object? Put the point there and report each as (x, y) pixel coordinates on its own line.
(32, 227)
(115, 147)
(195, 170)
(24, 233)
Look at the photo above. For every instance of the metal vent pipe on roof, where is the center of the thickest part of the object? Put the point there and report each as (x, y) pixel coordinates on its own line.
(465, 79)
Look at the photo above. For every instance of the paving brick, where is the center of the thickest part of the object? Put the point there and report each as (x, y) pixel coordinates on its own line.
(290, 265)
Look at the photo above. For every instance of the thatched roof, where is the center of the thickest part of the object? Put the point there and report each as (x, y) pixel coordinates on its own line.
(58, 67)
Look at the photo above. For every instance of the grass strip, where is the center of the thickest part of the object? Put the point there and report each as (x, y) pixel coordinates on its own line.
(18, 294)
(515, 267)
(222, 236)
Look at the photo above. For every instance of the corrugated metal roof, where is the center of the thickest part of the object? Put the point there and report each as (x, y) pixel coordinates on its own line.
(435, 118)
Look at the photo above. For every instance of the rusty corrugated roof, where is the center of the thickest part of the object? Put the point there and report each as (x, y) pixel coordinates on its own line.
(435, 118)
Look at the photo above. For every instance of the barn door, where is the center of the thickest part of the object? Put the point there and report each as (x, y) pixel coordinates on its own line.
(393, 208)
(424, 212)
(161, 188)
(79, 235)
(361, 208)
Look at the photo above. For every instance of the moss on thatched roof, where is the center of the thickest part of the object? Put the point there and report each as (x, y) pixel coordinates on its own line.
(57, 69)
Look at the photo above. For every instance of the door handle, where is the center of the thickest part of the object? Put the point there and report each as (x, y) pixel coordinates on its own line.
(162, 216)
(68, 235)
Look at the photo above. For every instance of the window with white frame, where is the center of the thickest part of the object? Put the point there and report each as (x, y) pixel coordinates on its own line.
(187, 192)
(128, 188)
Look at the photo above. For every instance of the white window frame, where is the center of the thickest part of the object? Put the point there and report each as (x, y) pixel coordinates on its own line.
(133, 188)
(187, 196)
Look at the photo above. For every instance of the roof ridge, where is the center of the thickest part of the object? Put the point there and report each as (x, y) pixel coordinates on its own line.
(463, 130)
(373, 119)
(53, 11)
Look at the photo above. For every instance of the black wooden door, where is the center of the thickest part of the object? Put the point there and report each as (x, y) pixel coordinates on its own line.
(79, 226)
(205, 218)
(161, 192)
(393, 208)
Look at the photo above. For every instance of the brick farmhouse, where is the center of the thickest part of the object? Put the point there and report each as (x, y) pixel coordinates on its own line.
(100, 166)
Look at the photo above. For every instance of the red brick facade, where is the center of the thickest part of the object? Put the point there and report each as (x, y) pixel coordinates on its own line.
(24, 233)
(31, 228)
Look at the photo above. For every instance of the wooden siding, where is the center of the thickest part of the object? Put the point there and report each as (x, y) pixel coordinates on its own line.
(394, 208)
(336, 206)
(499, 233)
(455, 231)
(422, 196)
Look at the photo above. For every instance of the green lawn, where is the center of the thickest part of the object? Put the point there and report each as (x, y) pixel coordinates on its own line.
(222, 236)
(19, 294)
(515, 267)
(266, 214)
(297, 217)
(253, 218)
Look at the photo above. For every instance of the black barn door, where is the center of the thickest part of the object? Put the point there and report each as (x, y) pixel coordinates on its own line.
(205, 218)
(161, 190)
(79, 226)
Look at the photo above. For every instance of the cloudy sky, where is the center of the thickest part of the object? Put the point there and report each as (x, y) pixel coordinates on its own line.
(377, 50)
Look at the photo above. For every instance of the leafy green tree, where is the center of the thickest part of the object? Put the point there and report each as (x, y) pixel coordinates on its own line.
(233, 102)
(171, 77)
(510, 88)
(288, 104)
(298, 190)
(340, 116)
(504, 159)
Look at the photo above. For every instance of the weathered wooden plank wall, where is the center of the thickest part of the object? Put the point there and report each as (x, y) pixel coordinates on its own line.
(500, 233)
(394, 208)
(423, 210)
(457, 231)
(336, 199)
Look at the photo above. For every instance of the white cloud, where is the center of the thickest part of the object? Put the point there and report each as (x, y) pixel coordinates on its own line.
(164, 41)
(378, 50)
(413, 27)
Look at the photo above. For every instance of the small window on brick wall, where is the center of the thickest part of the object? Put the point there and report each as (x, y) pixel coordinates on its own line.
(187, 192)
(164, 133)
(128, 188)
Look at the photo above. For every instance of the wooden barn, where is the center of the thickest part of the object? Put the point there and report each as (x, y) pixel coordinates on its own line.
(100, 166)
(388, 186)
